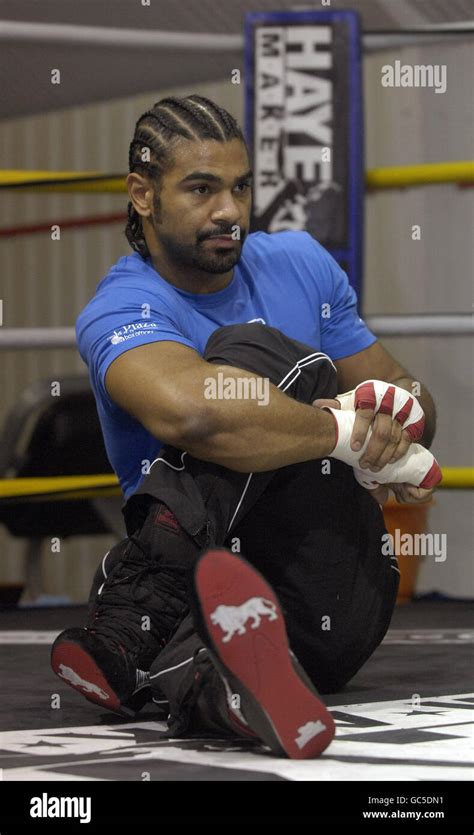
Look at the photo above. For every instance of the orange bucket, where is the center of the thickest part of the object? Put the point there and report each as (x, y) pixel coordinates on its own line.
(410, 519)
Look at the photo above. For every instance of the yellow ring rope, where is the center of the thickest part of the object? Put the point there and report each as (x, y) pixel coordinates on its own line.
(400, 176)
(88, 486)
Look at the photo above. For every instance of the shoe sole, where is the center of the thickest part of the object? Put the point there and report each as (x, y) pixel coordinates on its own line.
(78, 669)
(248, 643)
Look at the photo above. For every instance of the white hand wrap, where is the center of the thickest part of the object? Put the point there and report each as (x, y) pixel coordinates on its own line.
(387, 399)
(417, 467)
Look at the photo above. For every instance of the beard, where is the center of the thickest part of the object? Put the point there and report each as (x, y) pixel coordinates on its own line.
(198, 255)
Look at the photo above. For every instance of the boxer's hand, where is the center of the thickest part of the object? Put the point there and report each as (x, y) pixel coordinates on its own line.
(394, 415)
(415, 474)
(404, 494)
(407, 494)
(418, 466)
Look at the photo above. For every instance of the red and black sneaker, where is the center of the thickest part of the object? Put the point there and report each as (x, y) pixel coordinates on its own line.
(101, 671)
(238, 616)
(134, 612)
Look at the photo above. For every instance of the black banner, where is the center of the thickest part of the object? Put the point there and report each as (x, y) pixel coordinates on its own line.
(304, 125)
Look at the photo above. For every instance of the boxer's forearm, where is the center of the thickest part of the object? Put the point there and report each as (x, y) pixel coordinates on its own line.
(247, 437)
(426, 402)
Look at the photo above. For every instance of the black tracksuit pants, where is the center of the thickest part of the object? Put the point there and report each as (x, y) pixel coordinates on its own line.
(312, 531)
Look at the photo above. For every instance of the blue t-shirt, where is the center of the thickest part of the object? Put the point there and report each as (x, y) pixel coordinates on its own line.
(286, 280)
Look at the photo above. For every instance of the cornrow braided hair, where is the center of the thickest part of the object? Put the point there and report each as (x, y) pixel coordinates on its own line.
(158, 130)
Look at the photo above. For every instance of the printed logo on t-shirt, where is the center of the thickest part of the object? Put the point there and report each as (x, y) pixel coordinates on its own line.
(256, 320)
(129, 331)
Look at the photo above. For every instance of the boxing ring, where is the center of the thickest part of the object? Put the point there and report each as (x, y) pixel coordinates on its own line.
(383, 733)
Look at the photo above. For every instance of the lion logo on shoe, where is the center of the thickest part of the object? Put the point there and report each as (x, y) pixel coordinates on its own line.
(308, 732)
(232, 619)
(68, 674)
